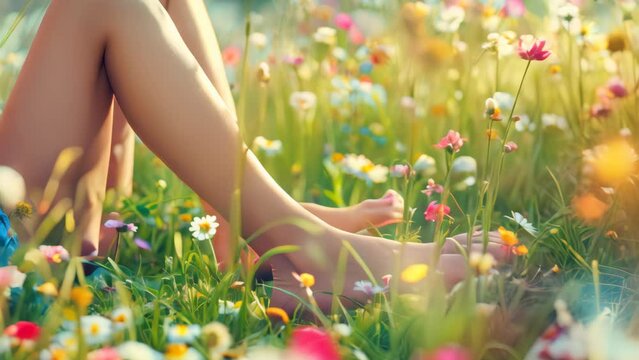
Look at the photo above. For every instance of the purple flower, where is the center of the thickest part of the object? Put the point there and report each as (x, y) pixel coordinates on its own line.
(120, 226)
(368, 288)
(142, 244)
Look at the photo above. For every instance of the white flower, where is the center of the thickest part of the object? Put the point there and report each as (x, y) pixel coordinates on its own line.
(503, 43)
(67, 340)
(325, 35)
(303, 100)
(425, 166)
(183, 333)
(450, 18)
(269, 147)
(133, 350)
(217, 338)
(343, 329)
(359, 354)
(121, 317)
(376, 174)
(258, 39)
(523, 222)
(96, 329)
(548, 120)
(367, 287)
(463, 172)
(13, 187)
(204, 228)
(226, 307)
(524, 124)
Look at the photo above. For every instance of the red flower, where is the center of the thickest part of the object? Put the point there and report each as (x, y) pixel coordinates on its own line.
(452, 141)
(231, 55)
(435, 211)
(532, 49)
(23, 330)
(309, 342)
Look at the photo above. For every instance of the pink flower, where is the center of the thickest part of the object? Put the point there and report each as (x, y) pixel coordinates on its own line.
(436, 212)
(23, 331)
(11, 277)
(293, 60)
(356, 36)
(231, 55)
(54, 254)
(120, 226)
(308, 342)
(107, 353)
(449, 352)
(387, 279)
(452, 141)
(399, 170)
(617, 88)
(432, 187)
(532, 49)
(510, 146)
(343, 21)
(515, 8)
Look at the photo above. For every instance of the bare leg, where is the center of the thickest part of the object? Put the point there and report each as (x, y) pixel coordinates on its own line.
(176, 111)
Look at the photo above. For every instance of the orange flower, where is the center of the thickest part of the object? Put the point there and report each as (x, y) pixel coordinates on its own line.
(520, 250)
(278, 312)
(588, 208)
(508, 237)
(82, 296)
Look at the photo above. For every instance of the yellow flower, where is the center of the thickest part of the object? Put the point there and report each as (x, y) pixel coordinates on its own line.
(305, 279)
(48, 289)
(482, 263)
(556, 269)
(508, 237)
(414, 273)
(278, 312)
(611, 163)
(491, 134)
(186, 217)
(554, 69)
(23, 210)
(554, 231)
(520, 250)
(175, 351)
(82, 296)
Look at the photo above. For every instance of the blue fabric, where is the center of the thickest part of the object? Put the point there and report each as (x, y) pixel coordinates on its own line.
(8, 244)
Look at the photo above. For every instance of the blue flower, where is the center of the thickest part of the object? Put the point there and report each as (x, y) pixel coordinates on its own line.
(8, 244)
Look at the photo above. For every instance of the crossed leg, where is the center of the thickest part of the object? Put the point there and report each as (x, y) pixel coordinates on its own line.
(88, 50)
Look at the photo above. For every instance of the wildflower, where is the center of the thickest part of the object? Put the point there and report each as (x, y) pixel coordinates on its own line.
(387, 279)
(425, 166)
(13, 188)
(54, 254)
(142, 244)
(96, 329)
(23, 210)
(515, 8)
(510, 146)
(161, 184)
(554, 231)
(120, 226)
(121, 317)
(23, 331)
(553, 120)
(448, 352)
(11, 277)
(617, 88)
(555, 269)
(48, 288)
(500, 43)
(436, 212)
(81, 296)
(452, 141)
(491, 134)
(482, 263)
(306, 280)
(107, 353)
(258, 39)
(376, 174)
(263, 73)
(508, 237)
(325, 35)
(414, 273)
(617, 41)
(520, 220)
(611, 163)
(278, 312)
(133, 350)
(342, 330)
(612, 234)
(204, 228)
(186, 217)
(303, 100)
(399, 171)
(367, 287)
(231, 55)
(450, 18)
(181, 352)
(226, 307)
(432, 187)
(588, 208)
(183, 333)
(217, 338)
(269, 147)
(492, 110)
(309, 342)
(343, 21)
(520, 250)
(293, 60)
(532, 49)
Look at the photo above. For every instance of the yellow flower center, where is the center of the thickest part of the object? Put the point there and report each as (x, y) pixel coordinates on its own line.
(176, 350)
(120, 318)
(205, 227)
(94, 329)
(182, 330)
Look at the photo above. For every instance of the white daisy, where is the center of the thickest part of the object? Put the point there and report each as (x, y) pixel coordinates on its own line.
(121, 317)
(523, 222)
(216, 338)
(96, 329)
(204, 228)
(269, 147)
(183, 333)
